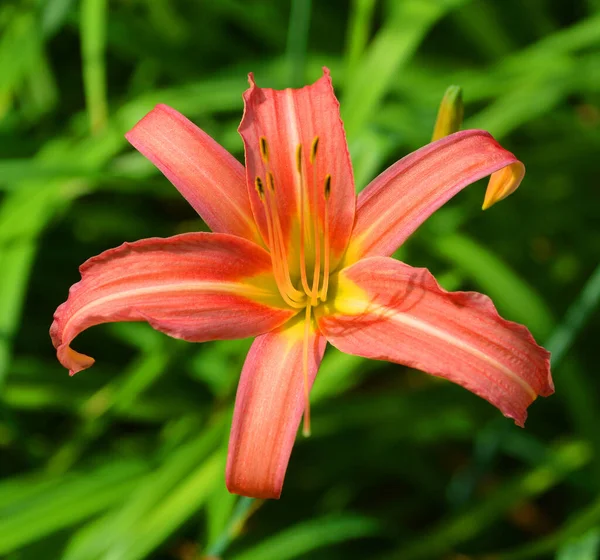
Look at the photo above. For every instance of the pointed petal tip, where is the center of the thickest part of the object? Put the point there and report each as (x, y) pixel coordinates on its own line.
(268, 409)
(131, 134)
(503, 183)
(519, 421)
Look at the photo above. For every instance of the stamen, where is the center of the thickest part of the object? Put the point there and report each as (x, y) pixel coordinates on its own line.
(314, 293)
(264, 149)
(306, 423)
(303, 232)
(278, 247)
(325, 287)
(280, 272)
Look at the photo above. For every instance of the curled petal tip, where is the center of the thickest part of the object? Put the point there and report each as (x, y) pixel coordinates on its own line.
(73, 360)
(251, 81)
(502, 183)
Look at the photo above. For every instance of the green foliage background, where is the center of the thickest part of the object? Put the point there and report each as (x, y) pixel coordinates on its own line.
(126, 461)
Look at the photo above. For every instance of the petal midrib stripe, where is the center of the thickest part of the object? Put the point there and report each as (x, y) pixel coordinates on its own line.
(235, 288)
(408, 320)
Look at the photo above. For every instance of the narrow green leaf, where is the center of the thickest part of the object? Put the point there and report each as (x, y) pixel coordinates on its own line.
(392, 47)
(15, 263)
(511, 294)
(359, 27)
(165, 499)
(93, 38)
(308, 536)
(580, 530)
(298, 41)
(563, 460)
(72, 499)
(576, 317)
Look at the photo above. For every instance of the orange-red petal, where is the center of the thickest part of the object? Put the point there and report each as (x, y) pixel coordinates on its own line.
(268, 408)
(399, 200)
(387, 310)
(195, 286)
(284, 120)
(204, 172)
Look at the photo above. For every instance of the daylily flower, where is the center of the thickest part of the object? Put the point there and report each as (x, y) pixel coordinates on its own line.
(297, 260)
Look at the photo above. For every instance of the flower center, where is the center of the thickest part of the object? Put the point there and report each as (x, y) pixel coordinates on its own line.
(308, 287)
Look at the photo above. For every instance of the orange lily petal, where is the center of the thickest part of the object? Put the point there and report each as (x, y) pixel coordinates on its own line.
(204, 172)
(268, 408)
(195, 286)
(282, 121)
(399, 200)
(387, 310)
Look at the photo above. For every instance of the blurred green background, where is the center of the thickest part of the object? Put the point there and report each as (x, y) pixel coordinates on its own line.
(126, 461)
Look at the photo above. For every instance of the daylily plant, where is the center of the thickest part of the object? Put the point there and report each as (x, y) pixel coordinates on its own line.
(298, 260)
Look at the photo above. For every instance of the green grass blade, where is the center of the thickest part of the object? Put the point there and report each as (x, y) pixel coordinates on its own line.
(298, 41)
(93, 39)
(510, 293)
(308, 536)
(563, 460)
(576, 317)
(391, 48)
(72, 500)
(359, 28)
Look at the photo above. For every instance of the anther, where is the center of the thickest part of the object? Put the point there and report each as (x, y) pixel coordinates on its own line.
(327, 189)
(264, 149)
(271, 181)
(259, 187)
(313, 149)
(299, 158)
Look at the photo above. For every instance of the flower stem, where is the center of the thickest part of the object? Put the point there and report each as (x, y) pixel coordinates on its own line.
(244, 508)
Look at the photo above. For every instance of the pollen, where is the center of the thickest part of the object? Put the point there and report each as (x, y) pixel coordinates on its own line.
(299, 158)
(264, 149)
(313, 150)
(327, 187)
(258, 184)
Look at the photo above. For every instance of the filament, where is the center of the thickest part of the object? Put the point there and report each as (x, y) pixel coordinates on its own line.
(314, 292)
(311, 292)
(325, 287)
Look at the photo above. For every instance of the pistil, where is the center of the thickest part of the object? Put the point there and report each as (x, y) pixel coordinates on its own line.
(314, 293)
(326, 193)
